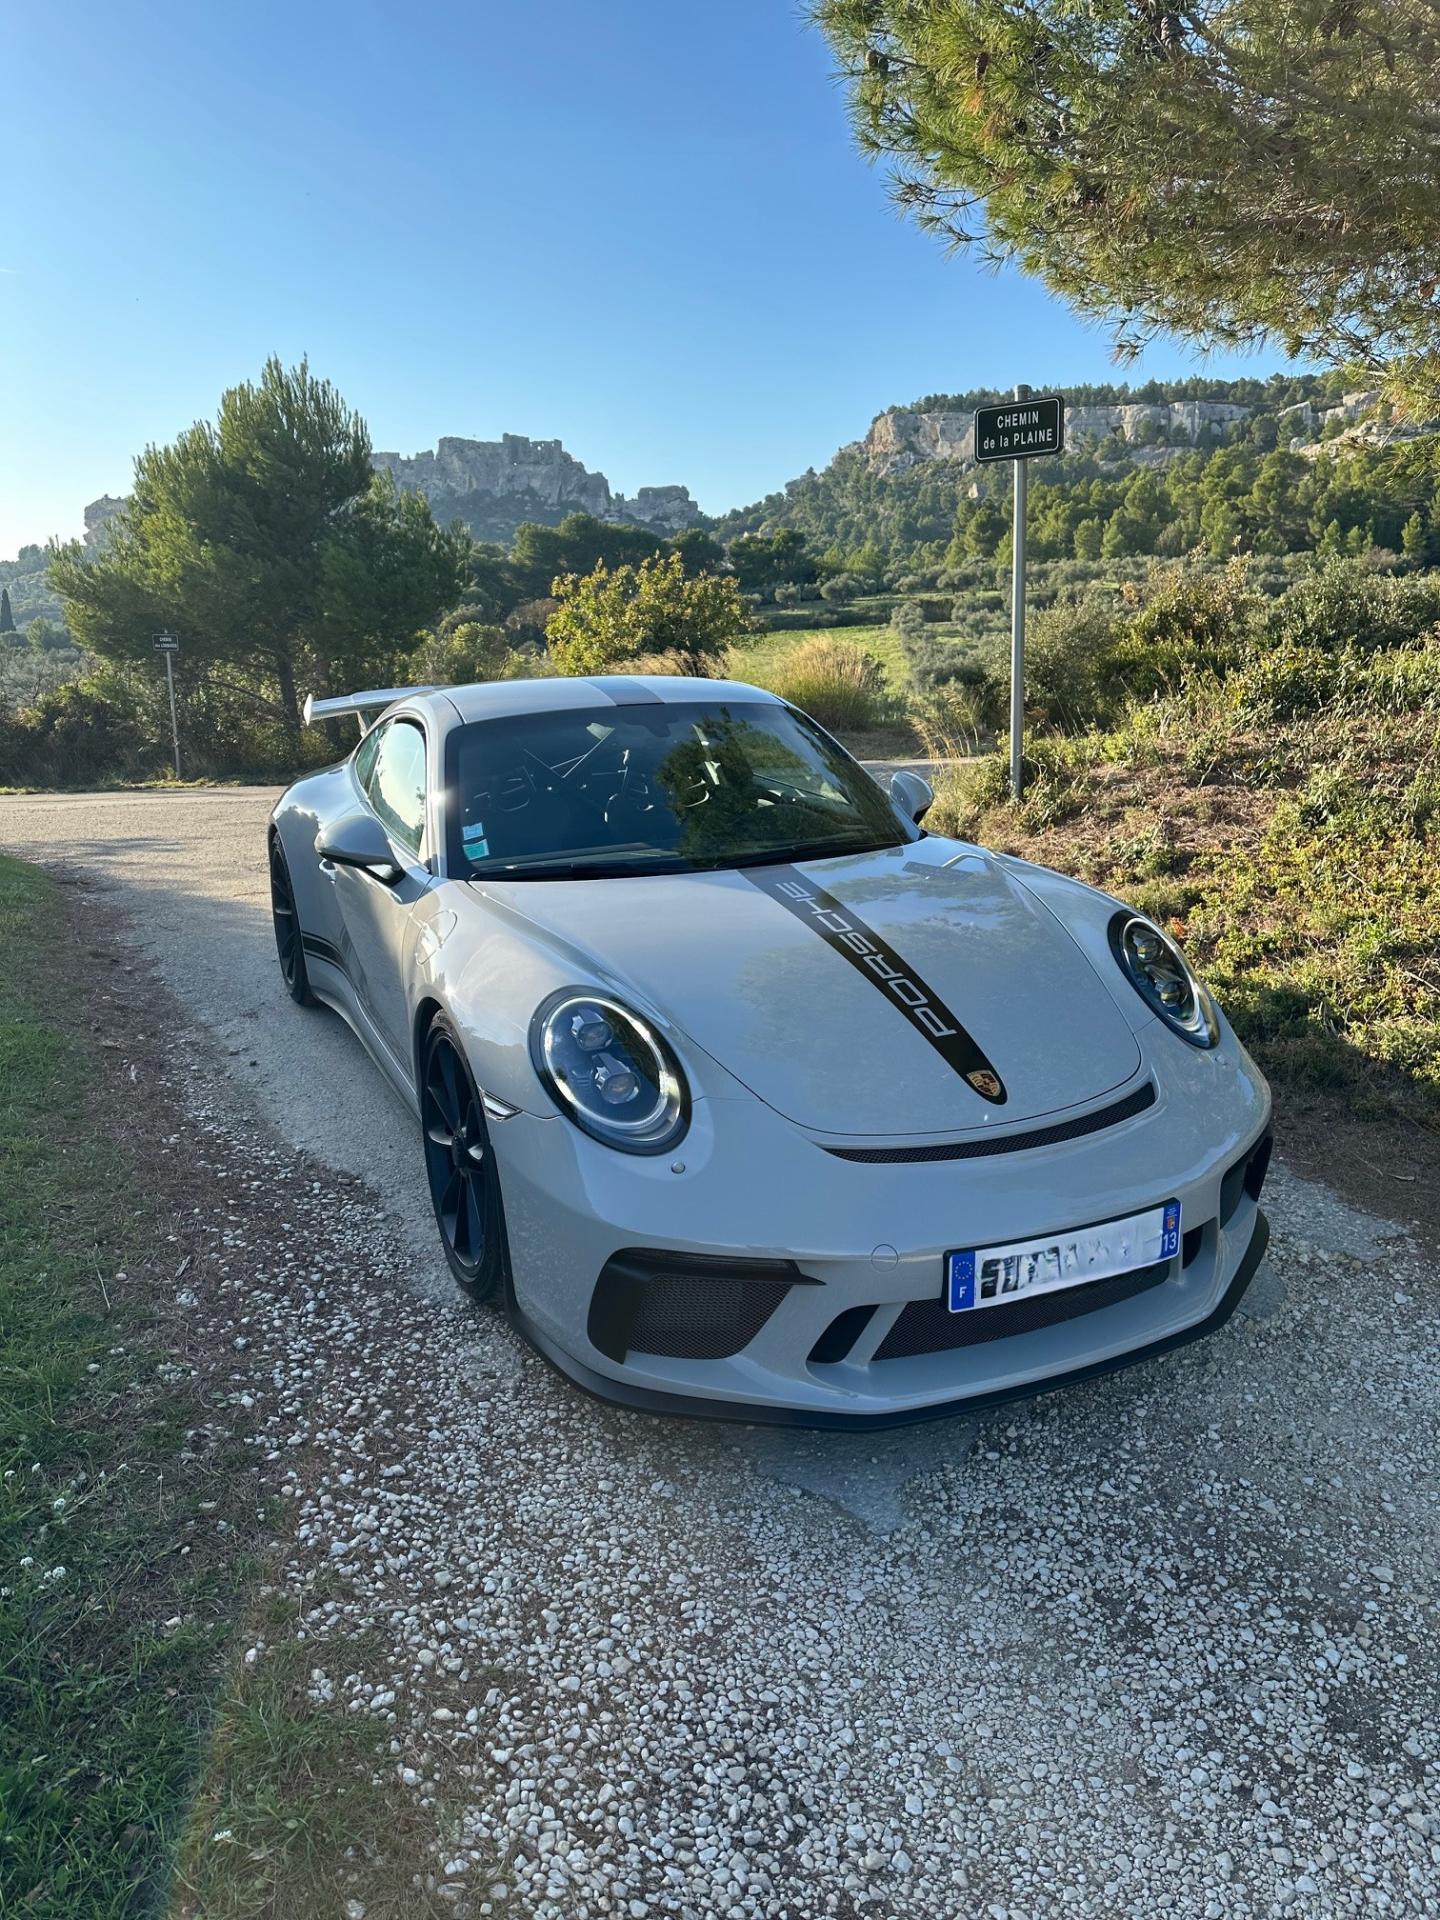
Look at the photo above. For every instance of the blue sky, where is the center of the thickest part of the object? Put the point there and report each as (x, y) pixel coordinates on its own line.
(640, 228)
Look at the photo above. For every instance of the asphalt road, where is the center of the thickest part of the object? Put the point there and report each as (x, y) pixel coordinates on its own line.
(1164, 1643)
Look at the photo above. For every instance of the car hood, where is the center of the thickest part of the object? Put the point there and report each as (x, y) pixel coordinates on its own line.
(874, 994)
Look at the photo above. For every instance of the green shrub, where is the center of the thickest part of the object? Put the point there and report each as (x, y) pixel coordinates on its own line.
(1346, 602)
(907, 620)
(951, 718)
(1406, 679)
(840, 591)
(77, 732)
(835, 681)
(1067, 649)
(1286, 680)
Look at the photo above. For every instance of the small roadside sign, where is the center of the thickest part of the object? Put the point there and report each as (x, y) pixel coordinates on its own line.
(169, 646)
(1019, 429)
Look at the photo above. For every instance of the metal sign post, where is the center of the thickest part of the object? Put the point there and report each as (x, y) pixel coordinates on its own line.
(167, 644)
(1017, 624)
(1017, 433)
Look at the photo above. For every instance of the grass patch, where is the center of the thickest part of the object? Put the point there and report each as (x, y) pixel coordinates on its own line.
(298, 1817)
(108, 1636)
(874, 719)
(764, 655)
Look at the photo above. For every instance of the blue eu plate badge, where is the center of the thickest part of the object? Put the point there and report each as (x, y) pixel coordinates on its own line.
(991, 1276)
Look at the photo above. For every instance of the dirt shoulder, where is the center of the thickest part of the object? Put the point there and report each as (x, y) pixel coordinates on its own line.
(139, 1521)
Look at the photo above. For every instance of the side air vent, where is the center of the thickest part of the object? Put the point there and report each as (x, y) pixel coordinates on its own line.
(1247, 1175)
(1102, 1117)
(840, 1336)
(686, 1306)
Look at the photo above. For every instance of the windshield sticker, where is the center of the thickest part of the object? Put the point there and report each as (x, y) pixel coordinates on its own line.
(473, 836)
(883, 967)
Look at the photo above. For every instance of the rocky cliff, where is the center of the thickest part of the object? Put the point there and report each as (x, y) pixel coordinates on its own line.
(903, 437)
(98, 516)
(492, 485)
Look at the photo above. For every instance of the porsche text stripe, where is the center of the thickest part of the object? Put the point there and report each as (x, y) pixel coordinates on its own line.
(886, 971)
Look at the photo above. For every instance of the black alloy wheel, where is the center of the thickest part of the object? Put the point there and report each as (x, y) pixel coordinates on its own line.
(464, 1185)
(288, 944)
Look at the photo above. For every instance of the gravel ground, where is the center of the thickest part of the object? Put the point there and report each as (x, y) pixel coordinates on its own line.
(1161, 1644)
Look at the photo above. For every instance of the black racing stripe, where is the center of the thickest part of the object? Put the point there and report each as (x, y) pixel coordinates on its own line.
(849, 936)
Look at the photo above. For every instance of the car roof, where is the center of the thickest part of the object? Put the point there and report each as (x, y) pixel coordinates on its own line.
(495, 699)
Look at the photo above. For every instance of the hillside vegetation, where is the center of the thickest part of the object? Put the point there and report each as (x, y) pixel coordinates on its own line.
(1226, 486)
(1264, 777)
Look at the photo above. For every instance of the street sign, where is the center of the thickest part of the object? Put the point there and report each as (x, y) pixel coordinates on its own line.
(1019, 429)
(167, 644)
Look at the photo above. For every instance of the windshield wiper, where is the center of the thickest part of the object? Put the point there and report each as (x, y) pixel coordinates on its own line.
(606, 866)
(807, 850)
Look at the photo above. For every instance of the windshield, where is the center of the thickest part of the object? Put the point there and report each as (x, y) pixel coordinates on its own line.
(656, 788)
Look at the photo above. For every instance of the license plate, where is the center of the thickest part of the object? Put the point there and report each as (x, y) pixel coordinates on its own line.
(990, 1276)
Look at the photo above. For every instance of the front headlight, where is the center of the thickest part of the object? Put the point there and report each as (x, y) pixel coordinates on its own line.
(609, 1071)
(1159, 973)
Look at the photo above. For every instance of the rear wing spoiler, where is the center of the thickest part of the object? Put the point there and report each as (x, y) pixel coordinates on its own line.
(360, 704)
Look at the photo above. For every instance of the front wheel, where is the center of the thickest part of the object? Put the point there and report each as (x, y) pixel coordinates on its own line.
(464, 1184)
(289, 947)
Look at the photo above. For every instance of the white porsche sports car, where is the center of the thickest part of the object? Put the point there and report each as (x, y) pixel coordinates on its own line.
(739, 1092)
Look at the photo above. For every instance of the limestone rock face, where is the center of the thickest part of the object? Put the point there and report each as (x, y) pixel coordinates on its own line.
(902, 437)
(98, 516)
(492, 485)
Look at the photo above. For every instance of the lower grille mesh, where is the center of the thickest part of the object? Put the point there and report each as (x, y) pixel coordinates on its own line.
(689, 1318)
(684, 1306)
(928, 1326)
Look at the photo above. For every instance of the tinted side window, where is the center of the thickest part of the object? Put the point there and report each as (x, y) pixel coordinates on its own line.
(365, 754)
(397, 788)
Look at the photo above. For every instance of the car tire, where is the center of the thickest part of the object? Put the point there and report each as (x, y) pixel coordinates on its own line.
(289, 942)
(460, 1166)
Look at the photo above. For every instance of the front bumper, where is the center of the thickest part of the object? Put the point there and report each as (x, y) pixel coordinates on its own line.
(643, 1399)
(752, 1186)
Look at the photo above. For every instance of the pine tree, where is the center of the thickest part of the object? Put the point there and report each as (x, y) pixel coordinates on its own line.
(1413, 540)
(1237, 171)
(271, 544)
(7, 618)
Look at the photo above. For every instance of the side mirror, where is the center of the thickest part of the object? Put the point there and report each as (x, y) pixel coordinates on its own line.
(357, 839)
(912, 794)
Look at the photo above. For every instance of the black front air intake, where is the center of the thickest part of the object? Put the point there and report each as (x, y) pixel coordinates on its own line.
(685, 1306)
(928, 1326)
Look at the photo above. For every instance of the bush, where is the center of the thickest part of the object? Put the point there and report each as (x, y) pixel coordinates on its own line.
(1067, 650)
(951, 718)
(114, 726)
(606, 617)
(907, 620)
(1347, 603)
(461, 653)
(1277, 683)
(840, 591)
(835, 681)
(74, 734)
